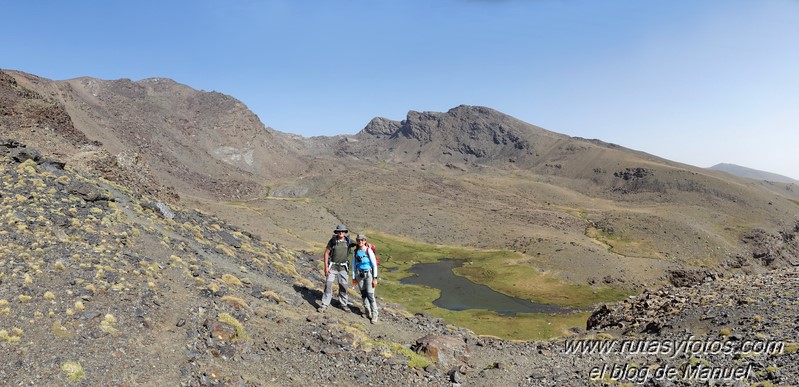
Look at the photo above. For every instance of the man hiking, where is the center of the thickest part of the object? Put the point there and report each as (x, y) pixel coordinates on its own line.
(337, 254)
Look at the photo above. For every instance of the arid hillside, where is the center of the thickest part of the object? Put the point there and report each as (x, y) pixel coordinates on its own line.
(101, 286)
(191, 142)
(153, 234)
(578, 209)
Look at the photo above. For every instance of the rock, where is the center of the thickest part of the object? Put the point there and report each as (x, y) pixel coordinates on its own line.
(166, 212)
(21, 154)
(447, 351)
(684, 277)
(229, 239)
(599, 318)
(381, 126)
(455, 376)
(85, 191)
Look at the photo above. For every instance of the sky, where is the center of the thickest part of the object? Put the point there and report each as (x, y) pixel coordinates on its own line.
(695, 81)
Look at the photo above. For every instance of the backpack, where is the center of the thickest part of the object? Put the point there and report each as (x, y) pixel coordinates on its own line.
(374, 251)
(349, 243)
(332, 242)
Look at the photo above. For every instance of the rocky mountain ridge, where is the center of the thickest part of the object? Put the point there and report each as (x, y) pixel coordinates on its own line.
(556, 198)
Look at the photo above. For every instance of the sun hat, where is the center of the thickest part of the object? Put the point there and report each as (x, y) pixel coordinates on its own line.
(341, 227)
(361, 237)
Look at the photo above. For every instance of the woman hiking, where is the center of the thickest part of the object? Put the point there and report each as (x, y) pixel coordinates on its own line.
(364, 275)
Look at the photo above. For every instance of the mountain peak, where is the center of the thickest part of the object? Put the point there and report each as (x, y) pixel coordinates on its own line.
(380, 126)
(463, 132)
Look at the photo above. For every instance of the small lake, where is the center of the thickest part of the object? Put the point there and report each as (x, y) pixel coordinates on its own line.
(458, 293)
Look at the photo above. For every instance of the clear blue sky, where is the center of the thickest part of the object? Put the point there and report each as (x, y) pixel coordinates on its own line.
(695, 81)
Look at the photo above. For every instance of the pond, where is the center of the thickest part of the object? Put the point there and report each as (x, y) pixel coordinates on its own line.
(458, 293)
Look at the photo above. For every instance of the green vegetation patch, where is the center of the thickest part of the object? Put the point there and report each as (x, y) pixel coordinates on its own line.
(523, 281)
(621, 244)
(502, 271)
(73, 370)
(524, 326)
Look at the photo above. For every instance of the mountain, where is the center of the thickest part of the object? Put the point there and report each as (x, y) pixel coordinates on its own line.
(750, 173)
(155, 234)
(199, 142)
(471, 176)
(99, 286)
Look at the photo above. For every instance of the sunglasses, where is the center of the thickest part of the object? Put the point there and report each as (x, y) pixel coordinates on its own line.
(341, 232)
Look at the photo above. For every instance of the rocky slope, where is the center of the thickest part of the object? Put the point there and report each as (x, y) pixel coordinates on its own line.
(107, 278)
(101, 286)
(472, 176)
(195, 142)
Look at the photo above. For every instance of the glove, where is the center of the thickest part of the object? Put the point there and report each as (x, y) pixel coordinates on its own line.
(354, 282)
(374, 283)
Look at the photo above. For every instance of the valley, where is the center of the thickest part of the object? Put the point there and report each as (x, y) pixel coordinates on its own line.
(231, 275)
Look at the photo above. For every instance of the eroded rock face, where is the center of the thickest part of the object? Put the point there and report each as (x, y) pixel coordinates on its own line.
(447, 351)
(380, 126)
(684, 277)
(470, 130)
(774, 250)
(21, 107)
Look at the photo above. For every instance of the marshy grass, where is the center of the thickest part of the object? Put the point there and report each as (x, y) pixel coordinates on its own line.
(501, 270)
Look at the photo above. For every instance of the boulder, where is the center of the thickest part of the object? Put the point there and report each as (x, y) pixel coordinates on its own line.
(447, 351)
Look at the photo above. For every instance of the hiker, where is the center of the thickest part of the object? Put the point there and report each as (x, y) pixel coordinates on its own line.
(337, 254)
(364, 275)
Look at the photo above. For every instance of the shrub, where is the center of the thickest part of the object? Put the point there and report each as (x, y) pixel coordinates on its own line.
(231, 280)
(236, 303)
(60, 330)
(233, 322)
(225, 250)
(273, 296)
(73, 370)
(106, 325)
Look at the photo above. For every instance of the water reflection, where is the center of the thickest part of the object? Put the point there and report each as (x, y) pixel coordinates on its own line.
(458, 293)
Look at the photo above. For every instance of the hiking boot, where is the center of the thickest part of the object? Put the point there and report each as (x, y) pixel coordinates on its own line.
(345, 303)
(373, 320)
(367, 313)
(322, 309)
